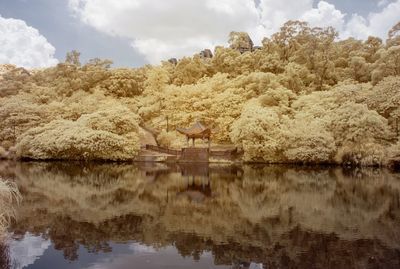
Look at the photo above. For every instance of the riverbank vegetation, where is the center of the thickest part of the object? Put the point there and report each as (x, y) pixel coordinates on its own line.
(304, 96)
(9, 194)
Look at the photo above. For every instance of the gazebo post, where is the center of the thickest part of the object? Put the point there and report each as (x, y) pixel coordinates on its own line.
(193, 142)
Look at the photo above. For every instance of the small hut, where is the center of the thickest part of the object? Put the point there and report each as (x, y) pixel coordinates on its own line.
(197, 130)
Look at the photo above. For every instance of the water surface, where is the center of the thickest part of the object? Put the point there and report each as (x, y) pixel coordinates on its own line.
(97, 216)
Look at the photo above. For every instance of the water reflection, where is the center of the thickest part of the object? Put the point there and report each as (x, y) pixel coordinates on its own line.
(200, 216)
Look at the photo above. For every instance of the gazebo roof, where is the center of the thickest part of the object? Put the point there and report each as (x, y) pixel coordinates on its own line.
(197, 130)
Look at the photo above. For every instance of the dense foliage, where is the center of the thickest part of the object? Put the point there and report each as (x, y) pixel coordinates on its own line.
(303, 97)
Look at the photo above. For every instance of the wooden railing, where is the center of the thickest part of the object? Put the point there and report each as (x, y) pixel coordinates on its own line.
(223, 154)
(163, 150)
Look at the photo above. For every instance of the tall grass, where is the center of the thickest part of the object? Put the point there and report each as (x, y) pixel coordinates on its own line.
(9, 194)
(5, 259)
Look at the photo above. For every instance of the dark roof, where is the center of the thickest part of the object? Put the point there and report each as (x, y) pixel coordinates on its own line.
(197, 130)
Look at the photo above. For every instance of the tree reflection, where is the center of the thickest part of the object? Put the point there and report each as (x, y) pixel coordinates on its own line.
(277, 216)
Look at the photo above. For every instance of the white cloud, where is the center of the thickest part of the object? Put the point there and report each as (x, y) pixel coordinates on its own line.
(382, 3)
(275, 13)
(140, 248)
(376, 24)
(356, 27)
(325, 15)
(162, 29)
(26, 251)
(23, 45)
(155, 49)
(173, 28)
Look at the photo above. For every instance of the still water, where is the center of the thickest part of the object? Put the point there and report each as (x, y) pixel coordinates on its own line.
(98, 216)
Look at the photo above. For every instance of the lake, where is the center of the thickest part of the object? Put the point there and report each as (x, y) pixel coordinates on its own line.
(154, 215)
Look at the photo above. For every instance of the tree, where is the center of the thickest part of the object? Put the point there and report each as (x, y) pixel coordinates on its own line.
(259, 130)
(372, 45)
(289, 39)
(385, 99)
(394, 36)
(388, 64)
(97, 62)
(190, 70)
(72, 57)
(359, 69)
(110, 134)
(303, 97)
(322, 64)
(224, 61)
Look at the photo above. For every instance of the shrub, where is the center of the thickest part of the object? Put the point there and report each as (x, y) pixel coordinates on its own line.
(105, 135)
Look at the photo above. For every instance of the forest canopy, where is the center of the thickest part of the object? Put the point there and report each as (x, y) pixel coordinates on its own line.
(304, 96)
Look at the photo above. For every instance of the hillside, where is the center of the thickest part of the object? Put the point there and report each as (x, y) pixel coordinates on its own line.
(304, 96)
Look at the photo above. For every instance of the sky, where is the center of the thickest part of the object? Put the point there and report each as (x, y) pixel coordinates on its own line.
(39, 33)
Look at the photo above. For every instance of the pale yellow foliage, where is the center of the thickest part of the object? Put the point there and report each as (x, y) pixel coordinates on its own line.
(303, 97)
(224, 60)
(5, 68)
(365, 154)
(385, 99)
(19, 113)
(105, 135)
(258, 130)
(309, 130)
(216, 101)
(190, 70)
(171, 139)
(72, 58)
(388, 64)
(394, 35)
(124, 83)
(359, 69)
(356, 123)
(307, 142)
(296, 77)
(12, 79)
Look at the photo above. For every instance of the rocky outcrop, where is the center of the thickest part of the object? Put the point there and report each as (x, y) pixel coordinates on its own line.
(206, 53)
(173, 61)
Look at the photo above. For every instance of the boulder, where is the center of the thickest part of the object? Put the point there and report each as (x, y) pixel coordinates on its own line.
(173, 61)
(206, 53)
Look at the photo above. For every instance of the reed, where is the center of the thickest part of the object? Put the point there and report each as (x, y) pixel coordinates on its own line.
(9, 195)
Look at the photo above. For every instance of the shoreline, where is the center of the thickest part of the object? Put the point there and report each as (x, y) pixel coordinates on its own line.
(393, 167)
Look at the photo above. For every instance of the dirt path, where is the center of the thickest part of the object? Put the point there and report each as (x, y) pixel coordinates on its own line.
(146, 138)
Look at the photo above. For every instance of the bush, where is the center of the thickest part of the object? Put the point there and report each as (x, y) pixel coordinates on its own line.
(171, 139)
(308, 142)
(105, 135)
(366, 154)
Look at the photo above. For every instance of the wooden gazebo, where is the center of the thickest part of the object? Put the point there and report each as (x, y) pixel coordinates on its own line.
(197, 130)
